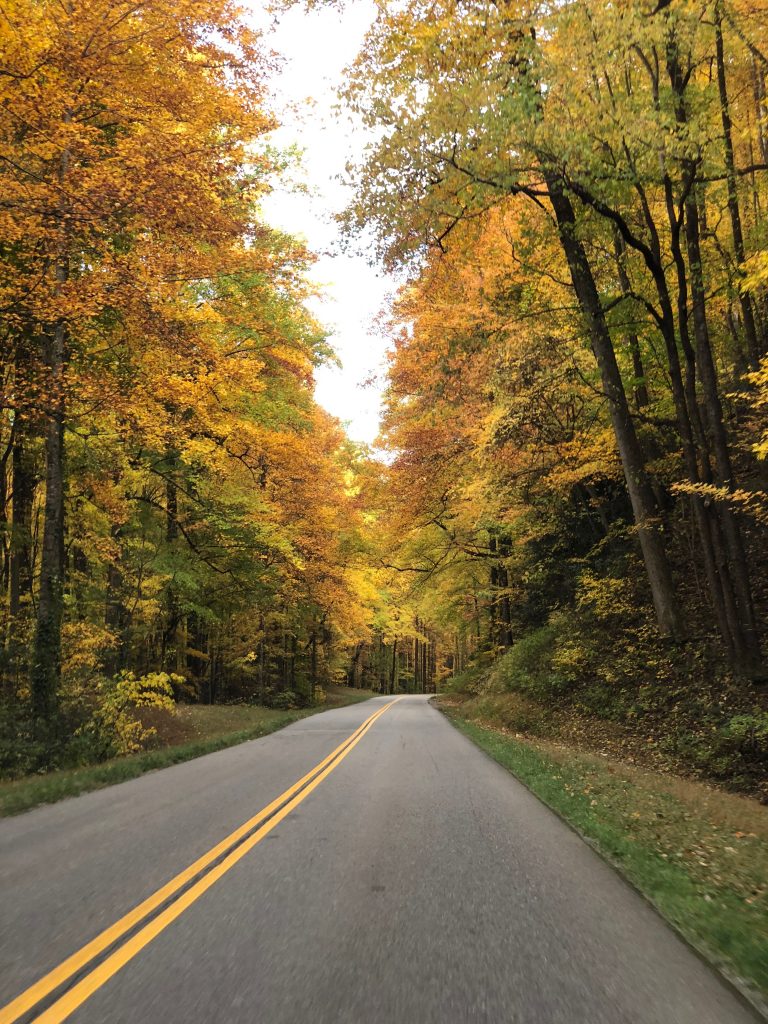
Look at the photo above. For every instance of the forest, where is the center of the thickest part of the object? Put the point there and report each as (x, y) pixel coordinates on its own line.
(564, 526)
(578, 381)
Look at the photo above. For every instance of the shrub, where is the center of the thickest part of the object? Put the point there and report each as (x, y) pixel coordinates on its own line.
(738, 746)
(750, 731)
(284, 700)
(609, 598)
(530, 666)
(20, 753)
(115, 728)
(84, 646)
(512, 711)
(471, 681)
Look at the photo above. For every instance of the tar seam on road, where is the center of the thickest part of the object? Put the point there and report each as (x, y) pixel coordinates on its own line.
(67, 986)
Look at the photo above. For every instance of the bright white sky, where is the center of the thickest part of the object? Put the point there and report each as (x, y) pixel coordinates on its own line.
(316, 47)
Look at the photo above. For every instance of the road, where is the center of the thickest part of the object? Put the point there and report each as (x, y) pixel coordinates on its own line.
(412, 880)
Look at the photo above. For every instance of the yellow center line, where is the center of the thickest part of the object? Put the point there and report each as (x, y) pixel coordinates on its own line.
(275, 811)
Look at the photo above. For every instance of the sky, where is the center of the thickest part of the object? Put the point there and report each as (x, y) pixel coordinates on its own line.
(315, 48)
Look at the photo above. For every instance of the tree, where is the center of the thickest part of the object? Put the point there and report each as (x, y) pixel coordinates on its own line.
(475, 104)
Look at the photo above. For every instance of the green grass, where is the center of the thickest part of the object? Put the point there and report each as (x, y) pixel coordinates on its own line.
(199, 730)
(342, 696)
(698, 854)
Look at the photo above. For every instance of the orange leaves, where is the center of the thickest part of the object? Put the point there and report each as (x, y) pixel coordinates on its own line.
(121, 128)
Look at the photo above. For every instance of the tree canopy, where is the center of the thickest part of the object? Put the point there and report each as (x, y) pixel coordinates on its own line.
(575, 196)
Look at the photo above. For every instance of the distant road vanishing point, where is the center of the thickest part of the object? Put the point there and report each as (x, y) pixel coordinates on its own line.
(367, 865)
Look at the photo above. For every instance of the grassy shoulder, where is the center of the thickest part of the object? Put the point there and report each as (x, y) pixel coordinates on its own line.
(700, 855)
(196, 730)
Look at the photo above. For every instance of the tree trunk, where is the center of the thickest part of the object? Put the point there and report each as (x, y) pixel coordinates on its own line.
(639, 388)
(754, 346)
(761, 108)
(746, 642)
(169, 650)
(418, 679)
(312, 665)
(644, 506)
(696, 449)
(425, 667)
(733, 568)
(46, 668)
(262, 656)
(116, 615)
(23, 491)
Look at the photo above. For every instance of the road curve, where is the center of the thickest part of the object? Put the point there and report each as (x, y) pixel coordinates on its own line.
(411, 881)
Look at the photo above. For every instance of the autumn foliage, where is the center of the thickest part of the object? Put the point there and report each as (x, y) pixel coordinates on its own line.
(576, 403)
(572, 504)
(172, 499)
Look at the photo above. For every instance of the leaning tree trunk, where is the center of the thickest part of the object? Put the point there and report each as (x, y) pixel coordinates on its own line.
(644, 506)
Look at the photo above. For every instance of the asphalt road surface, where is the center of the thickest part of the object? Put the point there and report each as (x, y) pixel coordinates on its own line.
(409, 880)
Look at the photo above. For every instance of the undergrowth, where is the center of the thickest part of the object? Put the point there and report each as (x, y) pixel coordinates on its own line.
(638, 698)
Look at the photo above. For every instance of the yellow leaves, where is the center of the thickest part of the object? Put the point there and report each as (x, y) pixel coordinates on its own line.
(754, 502)
(293, 359)
(202, 476)
(117, 133)
(587, 457)
(755, 272)
(570, 659)
(150, 691)
(117, 719)
(83, 648)
(606, 596)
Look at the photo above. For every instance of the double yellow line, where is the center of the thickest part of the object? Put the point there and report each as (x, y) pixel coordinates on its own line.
(181, 894)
